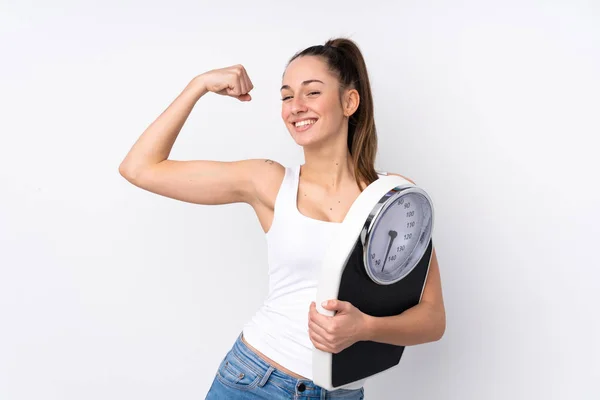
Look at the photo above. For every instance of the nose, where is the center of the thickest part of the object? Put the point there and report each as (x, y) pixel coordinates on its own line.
(298, 105)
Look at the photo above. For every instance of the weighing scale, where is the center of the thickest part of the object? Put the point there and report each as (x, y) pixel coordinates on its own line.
(379, 262)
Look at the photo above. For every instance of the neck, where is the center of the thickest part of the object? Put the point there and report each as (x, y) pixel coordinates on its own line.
(328, 168)
(329, 164)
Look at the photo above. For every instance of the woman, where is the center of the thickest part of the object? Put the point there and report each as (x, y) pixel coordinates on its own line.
(328, 110)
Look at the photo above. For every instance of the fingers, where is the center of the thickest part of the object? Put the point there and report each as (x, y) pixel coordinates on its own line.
(241, 80)
(243, 84)
(323, 325)
(249, 85)
(319, 342)
(337, 305)
(324, 331)
(317, 317)
(230, 81)
(318, 329)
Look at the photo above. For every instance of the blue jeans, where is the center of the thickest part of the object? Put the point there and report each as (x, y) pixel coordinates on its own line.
(243, 375)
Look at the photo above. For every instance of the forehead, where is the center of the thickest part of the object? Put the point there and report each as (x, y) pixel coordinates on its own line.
(306, 68)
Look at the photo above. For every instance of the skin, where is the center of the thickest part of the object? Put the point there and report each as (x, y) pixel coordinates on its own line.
(326, 190)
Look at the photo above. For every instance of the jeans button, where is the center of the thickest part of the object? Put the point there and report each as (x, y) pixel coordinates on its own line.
(301, 387)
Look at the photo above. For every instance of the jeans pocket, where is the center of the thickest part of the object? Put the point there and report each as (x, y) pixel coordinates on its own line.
(348, 394)
(234, 373)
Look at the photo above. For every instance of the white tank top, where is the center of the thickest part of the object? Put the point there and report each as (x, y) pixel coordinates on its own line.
(296, 244)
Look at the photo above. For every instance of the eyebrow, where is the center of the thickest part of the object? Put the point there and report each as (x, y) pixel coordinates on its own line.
(303, 83)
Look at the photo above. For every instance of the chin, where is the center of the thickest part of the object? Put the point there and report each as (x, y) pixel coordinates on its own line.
(305, 140)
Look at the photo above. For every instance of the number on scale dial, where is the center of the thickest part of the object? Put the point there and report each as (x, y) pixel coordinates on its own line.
(395, 239)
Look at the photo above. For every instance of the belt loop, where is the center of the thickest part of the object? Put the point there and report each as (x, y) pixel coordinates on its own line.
(266, 377)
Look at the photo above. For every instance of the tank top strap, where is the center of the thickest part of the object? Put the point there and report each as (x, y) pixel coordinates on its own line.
(288, 191)
(295, 184)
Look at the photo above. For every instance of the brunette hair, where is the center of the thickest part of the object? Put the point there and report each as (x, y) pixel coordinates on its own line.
(344, 58)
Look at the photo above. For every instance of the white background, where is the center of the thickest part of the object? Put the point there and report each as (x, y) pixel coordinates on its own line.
(111, 292)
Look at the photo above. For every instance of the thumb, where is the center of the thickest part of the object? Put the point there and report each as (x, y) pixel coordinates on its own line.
(336, 305)
(244, 97)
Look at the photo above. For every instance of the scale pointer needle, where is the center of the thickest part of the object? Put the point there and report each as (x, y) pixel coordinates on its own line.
(393, 235)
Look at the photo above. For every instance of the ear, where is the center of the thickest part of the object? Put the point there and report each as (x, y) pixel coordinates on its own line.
(351, 102)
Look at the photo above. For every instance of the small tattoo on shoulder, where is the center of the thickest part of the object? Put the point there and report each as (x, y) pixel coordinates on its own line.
(269, 161)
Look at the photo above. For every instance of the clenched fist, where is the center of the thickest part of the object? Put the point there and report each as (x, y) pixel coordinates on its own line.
(230, 81)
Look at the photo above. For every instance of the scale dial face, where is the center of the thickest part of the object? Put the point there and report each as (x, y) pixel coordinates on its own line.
(398, 234)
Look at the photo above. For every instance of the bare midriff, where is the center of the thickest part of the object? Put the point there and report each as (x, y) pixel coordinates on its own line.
(271, 362)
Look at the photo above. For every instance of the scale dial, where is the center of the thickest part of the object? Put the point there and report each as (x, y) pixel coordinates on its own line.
(397, 234)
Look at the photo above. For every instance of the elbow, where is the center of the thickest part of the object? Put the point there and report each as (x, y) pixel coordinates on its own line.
(129, 171)
(122, 170)
(436, 324)
(440, 327)
(125, 172)
(439, 334)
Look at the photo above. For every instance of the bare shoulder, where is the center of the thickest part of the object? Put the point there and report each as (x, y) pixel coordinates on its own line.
(402, 176)
(266, 176)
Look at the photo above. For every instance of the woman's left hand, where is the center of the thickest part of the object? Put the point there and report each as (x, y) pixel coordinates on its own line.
(334, 334)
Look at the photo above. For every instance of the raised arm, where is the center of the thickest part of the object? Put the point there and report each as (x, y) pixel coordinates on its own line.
(199, 181)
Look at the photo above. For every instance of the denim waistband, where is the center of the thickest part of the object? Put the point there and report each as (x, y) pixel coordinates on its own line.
(262, 367)
(304, 387)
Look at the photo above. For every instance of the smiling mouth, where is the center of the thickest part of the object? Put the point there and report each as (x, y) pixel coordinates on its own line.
(305, 122)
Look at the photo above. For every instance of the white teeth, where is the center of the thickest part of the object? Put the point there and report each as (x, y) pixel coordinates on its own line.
(305, 122)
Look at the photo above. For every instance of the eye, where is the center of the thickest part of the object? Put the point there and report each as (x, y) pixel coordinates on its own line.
(311, 93)
(286, 97)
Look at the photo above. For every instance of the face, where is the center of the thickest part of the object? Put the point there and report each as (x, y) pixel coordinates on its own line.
(311, 106)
